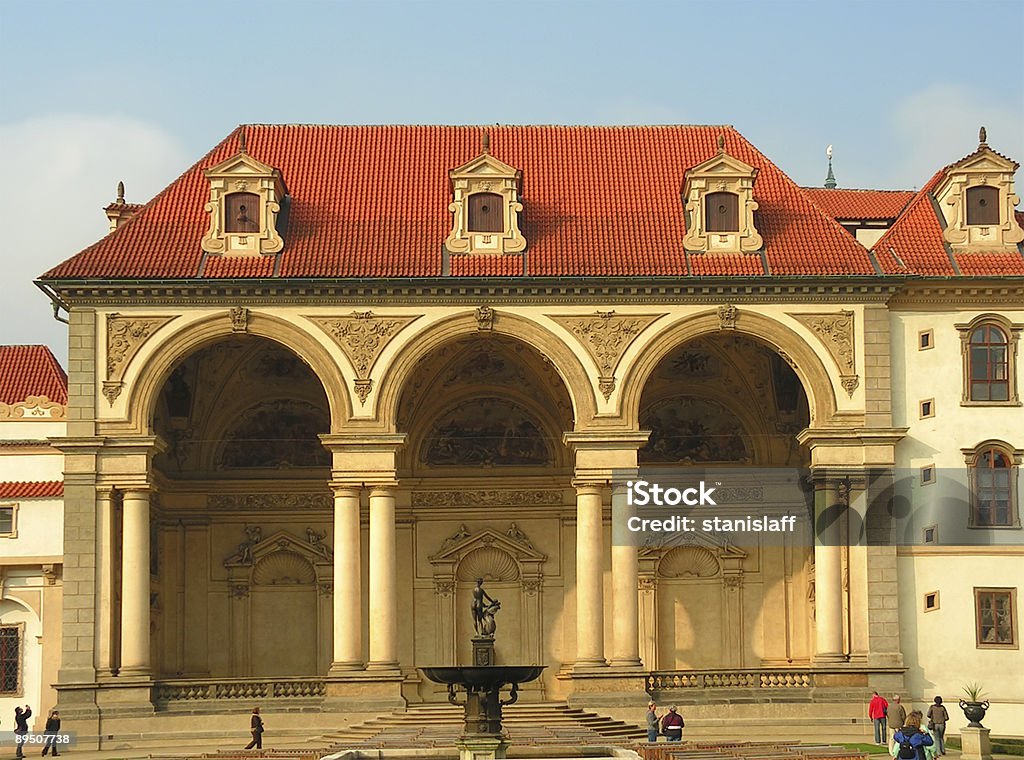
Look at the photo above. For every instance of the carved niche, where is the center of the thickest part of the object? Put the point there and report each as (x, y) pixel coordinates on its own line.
(362, 336)
(606, 337)
(491, 555)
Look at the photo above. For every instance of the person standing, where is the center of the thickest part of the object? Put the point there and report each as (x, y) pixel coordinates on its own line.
(51, 730)
(21, 728)
(256, 729)
(672, 725)
(937, 719)
(652, 722)
(895, 715)
(910, 740)
(876, 711)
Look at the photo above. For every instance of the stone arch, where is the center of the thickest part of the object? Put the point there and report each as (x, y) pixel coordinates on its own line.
(566, 363)
(784, 340)
(144, 392)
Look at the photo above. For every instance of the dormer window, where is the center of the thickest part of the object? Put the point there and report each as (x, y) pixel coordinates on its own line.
(983, 205)
(720, 205)
(722, 211)
(244, 207)
(977, 201)
(485, 207)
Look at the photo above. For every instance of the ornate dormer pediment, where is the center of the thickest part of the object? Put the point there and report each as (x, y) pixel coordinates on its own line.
(485, 207)
(977, 201)
(244, 207)
(719, 199)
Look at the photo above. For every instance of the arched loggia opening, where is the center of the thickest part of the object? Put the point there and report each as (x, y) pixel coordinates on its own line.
(240, 510)
(488, 479)
(728, 403)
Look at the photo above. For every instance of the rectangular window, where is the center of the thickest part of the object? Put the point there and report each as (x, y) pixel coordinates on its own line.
(995, 612)
(8, 522)
(928, 408)
(927, 474)
(931, 601)
(931, 534)
(925, 340)
(10, 659)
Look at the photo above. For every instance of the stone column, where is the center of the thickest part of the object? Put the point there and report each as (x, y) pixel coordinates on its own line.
(105, 581)
(348, 590)
(589, 577)
(828, 573)
(383, 585)
(625, 581)
(135, 652)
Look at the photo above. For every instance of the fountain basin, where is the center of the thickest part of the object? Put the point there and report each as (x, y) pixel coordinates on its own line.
(484, 677)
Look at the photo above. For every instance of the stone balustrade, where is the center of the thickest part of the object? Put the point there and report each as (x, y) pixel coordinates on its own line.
(238, 688)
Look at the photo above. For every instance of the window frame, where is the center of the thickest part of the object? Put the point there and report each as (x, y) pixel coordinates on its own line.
(971, 457)
(496, 198)
(1014, 642)
(20, 688)
(924, 601)
(990, 190)
(255, 219)
(1012, 332)
(923, 334)
(735, 212)
(13, 506)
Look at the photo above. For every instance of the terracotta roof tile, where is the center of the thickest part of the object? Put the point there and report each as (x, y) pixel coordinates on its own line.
(372, 201)
(860, 204)
(31, 371)
(31, 490)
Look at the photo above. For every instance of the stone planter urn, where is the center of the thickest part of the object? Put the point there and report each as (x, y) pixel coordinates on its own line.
(974, 712)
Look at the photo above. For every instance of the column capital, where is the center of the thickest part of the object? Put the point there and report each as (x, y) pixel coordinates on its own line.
(346, 487)
(382, 487)
(589, 485)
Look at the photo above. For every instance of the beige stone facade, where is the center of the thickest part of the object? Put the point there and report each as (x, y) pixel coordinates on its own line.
(283, 492)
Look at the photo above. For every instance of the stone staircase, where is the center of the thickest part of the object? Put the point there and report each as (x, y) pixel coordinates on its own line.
(532, 724)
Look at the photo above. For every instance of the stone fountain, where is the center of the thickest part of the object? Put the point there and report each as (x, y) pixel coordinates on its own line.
(482, 735)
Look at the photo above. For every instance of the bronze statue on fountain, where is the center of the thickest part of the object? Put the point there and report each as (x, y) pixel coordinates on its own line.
(483, 681)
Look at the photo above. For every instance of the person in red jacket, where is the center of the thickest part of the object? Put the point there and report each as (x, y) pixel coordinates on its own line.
(876, 711)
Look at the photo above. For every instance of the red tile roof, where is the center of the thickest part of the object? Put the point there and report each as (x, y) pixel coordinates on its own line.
(31, 371)
(860, 204)
(372, 201)
(31, 490)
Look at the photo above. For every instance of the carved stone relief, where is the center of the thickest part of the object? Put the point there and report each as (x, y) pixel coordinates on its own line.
(687, 429)
(488, 498)
(362, 337)
(489, 432)
(836, 332)
(125, 336)
(606, 337)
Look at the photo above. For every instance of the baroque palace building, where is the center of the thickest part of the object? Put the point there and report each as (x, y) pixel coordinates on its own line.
(333, 374)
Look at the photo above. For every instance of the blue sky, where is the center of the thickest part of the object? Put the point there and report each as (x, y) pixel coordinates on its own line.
(93, 92)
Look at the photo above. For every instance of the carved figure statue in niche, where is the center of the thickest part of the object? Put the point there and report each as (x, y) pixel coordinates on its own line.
(483, 608)
(454, 538)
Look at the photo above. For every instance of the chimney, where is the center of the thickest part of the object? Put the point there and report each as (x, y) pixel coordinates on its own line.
(119, 211)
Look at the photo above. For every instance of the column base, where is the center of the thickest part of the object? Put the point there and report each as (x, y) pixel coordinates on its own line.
(344, 668)
(589, 666)
(472, 748)
(829, 658)
(632, 663)
(384, 667)
(975, 744)
(135, 673)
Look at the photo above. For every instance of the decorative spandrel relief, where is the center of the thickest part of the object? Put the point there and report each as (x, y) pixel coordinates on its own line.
(606, 337)
(486, 431)
(836, 332)
(362, 337)
(685, 429)
(125, 336)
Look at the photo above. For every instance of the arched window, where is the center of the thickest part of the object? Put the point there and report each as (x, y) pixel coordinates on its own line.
(989, 364)
(486, 213)
(993, 479)
(983, 205)
(242, 212)
(722, 212)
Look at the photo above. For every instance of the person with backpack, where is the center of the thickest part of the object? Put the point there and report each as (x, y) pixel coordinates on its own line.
(937, 719)
(672, 725)
(910, 741)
